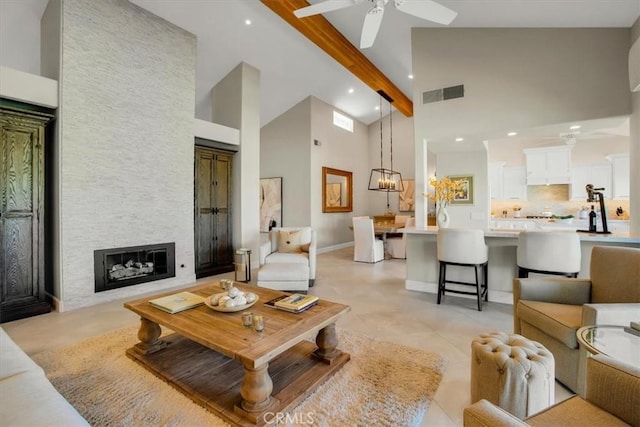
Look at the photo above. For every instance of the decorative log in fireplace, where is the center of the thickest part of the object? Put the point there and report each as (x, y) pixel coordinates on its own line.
(120, 267)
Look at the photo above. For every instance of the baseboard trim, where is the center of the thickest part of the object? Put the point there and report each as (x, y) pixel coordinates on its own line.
(334, 247)
(501, 297)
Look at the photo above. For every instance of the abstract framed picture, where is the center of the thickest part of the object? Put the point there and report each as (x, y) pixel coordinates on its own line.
(270, 203)
(406, 199)
(464, 196)
(334, 194)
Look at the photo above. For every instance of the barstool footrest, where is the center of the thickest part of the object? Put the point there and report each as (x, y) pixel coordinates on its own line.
(455, 291)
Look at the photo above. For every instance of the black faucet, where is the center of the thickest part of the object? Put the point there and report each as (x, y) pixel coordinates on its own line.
(592, 195)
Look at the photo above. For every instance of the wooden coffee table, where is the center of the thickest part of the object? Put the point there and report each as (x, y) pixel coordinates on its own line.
(241, 375)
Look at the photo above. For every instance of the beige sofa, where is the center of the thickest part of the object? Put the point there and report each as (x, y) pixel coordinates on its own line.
(27, 398)
(612, 399)
(550, 310)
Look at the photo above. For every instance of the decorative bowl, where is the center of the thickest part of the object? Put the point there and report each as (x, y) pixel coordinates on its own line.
(207, 302)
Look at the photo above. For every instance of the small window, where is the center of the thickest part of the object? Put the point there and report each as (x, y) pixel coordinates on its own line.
(342, 121)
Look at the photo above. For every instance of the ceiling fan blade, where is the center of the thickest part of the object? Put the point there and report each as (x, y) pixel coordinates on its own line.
(323, 7)
(372, 21)
(426, 9)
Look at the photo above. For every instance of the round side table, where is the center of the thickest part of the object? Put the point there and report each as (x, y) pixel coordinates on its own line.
(612, 341)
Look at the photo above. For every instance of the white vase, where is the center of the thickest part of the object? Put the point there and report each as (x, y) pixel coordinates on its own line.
(442, 217)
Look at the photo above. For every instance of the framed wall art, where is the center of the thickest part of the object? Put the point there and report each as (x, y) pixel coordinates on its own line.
(464, 196)
(406, 199)
(270, 203)
(334, 194)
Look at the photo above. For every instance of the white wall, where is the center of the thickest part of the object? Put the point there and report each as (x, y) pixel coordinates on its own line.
(285, 151)
(634, 152)
(126, 152)
(518, 78)
(339, 149)
(20, 41)
(240, 92)
(468, 163)
(288, 150)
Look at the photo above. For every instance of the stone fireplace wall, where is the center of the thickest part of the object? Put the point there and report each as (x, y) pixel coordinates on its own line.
(125, 146)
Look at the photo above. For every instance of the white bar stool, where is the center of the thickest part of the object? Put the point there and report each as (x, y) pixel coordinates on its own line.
(466, 248)
(549, 252)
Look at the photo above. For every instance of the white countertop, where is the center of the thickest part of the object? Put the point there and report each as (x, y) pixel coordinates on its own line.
(513, 234)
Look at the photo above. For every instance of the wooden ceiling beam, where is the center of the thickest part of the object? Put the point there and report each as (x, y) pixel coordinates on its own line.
(320, 31)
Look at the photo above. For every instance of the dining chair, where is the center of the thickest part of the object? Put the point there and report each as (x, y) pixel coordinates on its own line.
(366, 247)
(397, 246)
(548, 252)
(401, 219)
(463, 248)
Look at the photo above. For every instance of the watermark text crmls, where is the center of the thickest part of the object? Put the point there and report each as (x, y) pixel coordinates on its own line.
(298, 418)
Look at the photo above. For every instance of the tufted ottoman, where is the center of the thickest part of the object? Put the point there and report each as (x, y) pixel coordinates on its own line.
(284, 276)
(512, 372)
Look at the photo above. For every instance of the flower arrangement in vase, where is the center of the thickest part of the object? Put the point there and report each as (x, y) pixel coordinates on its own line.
(445, 191)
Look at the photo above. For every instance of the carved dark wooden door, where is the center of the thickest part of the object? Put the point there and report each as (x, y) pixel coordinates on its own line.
(213, 242)
(21, 216)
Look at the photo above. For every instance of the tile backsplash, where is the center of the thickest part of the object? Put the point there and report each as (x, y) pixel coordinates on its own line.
(558, 207)
(556, 198)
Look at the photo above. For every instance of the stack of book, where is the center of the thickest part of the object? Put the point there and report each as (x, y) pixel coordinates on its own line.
(177, 302)
(295, 303)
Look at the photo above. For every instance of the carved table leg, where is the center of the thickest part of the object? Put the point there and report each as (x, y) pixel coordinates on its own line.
(327, 341)
(256, 393)
(148, 335)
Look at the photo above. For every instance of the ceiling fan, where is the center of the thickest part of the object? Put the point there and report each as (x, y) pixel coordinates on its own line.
(570, 138)
(425, 9)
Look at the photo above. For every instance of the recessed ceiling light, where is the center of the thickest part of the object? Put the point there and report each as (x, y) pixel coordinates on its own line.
(512, 133)
(350, 90)
(484, 141)
(410, 76)
(574, 127)
(247, 21)
(459, 139)
(377, 107)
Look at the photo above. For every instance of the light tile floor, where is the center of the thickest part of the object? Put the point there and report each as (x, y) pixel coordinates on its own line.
(381, 307)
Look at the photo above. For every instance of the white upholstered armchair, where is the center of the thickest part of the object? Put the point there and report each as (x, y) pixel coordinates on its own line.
(292, 245)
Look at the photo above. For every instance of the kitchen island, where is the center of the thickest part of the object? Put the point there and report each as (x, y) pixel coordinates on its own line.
(422, 261)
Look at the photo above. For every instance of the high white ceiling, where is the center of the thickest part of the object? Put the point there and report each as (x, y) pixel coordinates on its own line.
(292, 68)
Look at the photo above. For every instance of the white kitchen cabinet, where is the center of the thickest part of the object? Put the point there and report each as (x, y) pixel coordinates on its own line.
(495, 180)
(548, 165)
(514, 183)
(598, 174)
(620, 175)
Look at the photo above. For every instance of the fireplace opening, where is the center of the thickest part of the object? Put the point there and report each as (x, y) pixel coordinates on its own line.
(120, 267)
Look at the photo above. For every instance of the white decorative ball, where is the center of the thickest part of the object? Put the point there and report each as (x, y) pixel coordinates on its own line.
(240, 300)
(251, 297)
(233, 292)
(223, 300)
(230, 303)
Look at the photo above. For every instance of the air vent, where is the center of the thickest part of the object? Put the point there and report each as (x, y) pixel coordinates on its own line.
(443, 94)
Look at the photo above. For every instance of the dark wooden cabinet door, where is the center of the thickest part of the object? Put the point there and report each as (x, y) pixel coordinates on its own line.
(213, 239)
(222, 223)
(21, 216)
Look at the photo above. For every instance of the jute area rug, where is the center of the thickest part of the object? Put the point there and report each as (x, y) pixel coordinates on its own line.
(384, 384)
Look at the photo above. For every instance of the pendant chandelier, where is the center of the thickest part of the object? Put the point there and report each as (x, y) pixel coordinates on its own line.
(382, 179)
